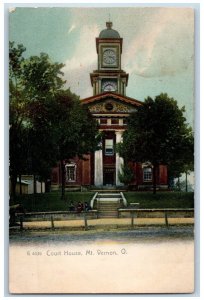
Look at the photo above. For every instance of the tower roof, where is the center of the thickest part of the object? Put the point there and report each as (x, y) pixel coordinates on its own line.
(109, 32)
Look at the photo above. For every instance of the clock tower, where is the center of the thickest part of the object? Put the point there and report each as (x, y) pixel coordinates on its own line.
(110, 107)
(109, 77)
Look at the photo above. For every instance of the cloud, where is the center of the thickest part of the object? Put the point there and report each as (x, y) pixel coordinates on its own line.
(157, 42)
(78, 67)
(164, 45)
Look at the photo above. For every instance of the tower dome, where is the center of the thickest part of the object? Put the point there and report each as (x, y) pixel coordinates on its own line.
(109, 33)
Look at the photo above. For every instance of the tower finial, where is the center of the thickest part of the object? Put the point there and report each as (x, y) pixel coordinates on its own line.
(109, 25)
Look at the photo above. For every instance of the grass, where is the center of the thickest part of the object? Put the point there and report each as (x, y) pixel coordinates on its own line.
(52, 201)
(161, 199)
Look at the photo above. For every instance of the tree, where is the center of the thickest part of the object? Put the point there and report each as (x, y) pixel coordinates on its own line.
(17, 116)
(75, 129)
(184, 163)
(33, 83)
(125, 175)
(47, 123)
(177, 168)
(158, 133)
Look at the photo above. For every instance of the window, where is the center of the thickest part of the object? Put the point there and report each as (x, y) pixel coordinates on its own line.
(147, 174)
(109, 147)
(115, 121)
(103, 121)
(124, 121)
(70, 172)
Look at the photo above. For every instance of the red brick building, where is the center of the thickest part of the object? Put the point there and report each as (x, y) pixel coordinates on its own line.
(110, 106)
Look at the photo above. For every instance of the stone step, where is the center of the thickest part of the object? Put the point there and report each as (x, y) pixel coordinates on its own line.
(111, 195)
(108, 209)
(101, 207)
(108, 204)
(108, 199)
(108, 196)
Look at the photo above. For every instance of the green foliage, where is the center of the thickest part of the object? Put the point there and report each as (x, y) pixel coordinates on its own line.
(15, 62)
(158, 133)
(42, 77)
(33, 83)
(126, 175)
(47, 123)
(75, 129)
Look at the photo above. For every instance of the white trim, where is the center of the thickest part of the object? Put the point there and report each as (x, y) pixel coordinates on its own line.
(98, 168)
(67, 166)
(119, 160)
(147, 165)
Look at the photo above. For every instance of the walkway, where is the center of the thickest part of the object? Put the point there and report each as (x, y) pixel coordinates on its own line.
(106, 223)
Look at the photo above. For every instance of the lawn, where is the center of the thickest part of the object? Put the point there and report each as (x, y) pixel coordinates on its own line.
(161, 199)
(52, 201)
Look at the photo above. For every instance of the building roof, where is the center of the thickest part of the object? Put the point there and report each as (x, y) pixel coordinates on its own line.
(109, 32)
(112, 95)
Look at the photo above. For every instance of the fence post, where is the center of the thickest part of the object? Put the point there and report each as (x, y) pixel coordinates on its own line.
(85, 222)
(166, 219)
(52, 223)
(132, 219)
(21, 223)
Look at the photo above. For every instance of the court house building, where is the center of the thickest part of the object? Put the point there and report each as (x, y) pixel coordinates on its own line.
(110, 106)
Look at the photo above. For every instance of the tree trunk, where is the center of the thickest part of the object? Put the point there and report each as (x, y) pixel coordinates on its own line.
(34, 184)
(186, 182)
(154, 179)
(13, 187)
(63, 179)
(20, 184)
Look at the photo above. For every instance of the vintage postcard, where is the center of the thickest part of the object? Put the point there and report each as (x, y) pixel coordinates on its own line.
(101, 150)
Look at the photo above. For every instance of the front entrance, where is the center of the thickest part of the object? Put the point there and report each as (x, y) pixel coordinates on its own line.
(109, 176)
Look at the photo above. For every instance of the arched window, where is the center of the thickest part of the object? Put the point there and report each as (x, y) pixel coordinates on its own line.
(70, 172)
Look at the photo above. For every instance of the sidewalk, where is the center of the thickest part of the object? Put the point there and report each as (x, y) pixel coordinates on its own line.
(106, 223)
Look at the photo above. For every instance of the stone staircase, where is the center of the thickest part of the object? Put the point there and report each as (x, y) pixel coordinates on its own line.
(108, 204)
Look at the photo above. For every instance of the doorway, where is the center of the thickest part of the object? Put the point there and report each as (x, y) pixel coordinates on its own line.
(109, 176)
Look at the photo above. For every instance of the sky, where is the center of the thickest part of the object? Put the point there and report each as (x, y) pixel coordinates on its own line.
(158, 46)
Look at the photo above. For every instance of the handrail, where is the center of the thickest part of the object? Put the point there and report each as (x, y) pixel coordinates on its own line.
(124, 199)
(93, 199)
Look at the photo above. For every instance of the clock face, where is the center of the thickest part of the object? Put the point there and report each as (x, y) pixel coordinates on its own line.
(109, 57)
(109, 86)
